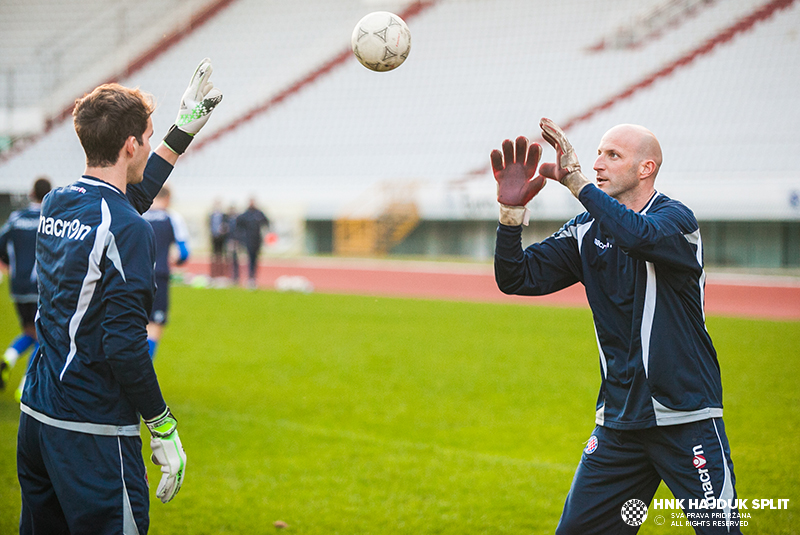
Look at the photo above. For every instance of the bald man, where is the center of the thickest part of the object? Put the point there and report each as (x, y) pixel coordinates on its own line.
(639, 255)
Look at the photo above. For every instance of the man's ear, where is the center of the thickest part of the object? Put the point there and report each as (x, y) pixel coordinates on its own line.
(647, 168)
(130, 146)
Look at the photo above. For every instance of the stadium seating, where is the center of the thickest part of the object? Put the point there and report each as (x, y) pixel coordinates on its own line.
(57, 49)
(718, 89)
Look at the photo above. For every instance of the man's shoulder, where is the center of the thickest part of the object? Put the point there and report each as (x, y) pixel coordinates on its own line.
(14, 217)
(662, 201)
(24, 220)
(72, 196)
(92, 201)
(674, 209)
(71, 201)
(25, 213)
(156, 215)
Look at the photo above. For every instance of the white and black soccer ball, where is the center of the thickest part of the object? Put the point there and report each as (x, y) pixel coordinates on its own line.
(381, 41)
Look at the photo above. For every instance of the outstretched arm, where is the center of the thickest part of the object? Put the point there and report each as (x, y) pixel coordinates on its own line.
(197, 103)
(199, 100)
(662, 236)
(543, 267)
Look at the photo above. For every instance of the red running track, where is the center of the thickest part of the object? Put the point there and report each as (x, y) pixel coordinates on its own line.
(755, 297)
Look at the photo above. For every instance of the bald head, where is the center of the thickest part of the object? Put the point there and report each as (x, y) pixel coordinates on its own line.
(628, 160)
(640, 141)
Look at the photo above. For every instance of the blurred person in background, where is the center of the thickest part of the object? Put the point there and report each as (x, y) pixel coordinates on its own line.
(233, 243)
(219, 228)
(639, 255)
(249, 227)
(18, 252)
(169, 228)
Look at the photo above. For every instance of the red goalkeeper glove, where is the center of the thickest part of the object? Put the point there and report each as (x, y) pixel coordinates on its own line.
(513, 171)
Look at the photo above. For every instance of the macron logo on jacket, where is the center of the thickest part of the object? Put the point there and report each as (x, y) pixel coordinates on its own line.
(71, 230)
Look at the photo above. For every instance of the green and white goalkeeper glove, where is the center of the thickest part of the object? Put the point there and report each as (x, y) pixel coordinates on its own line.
(199, 100)
(167, 453)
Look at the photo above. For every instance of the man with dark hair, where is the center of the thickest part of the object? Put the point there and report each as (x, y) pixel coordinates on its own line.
(79, 453)
(639, 256)
(105, 118)
(18, 252)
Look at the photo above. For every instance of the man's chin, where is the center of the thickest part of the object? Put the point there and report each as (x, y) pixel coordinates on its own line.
(606, 187)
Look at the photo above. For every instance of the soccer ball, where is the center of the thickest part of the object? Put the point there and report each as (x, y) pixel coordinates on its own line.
(381, 41)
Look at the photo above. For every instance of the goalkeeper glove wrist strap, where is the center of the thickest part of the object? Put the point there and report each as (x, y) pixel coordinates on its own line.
(575, 181)
(177, 140)
(162, 426)
(514, 216)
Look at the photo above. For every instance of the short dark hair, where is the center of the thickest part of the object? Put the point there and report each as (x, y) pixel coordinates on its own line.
(41, 187)
(105, 118)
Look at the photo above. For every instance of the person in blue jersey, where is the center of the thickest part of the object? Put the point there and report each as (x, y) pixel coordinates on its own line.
(639, 256)
(169, 229)
(79, 451)
(18, 252)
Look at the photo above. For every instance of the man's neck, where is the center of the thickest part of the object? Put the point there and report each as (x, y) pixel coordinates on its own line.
(114, 175)
(638, 199)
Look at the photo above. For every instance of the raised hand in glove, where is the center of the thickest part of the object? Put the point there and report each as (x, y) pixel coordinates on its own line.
(197, 103)
(567, 170)
(514, 171)
(167, 453)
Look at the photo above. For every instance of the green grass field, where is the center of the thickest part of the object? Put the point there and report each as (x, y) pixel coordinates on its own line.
(363, 415)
